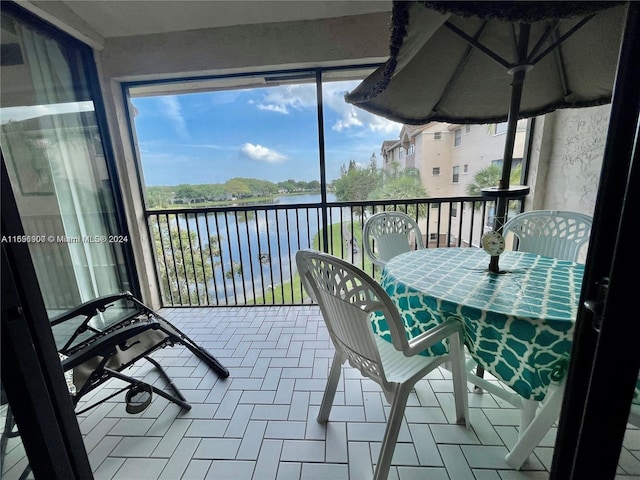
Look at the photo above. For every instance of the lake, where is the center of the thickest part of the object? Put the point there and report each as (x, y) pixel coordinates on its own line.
(263, 243)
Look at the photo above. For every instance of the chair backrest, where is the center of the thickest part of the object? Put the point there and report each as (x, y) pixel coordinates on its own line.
(347, 296)
(551, 233)
(387, 234)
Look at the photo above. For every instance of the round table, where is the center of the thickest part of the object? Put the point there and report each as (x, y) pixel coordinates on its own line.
(518, 324)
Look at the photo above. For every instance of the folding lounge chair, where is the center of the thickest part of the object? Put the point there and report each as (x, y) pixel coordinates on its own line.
(100, 338)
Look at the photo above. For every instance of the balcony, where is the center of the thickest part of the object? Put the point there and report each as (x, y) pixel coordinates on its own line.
(260, 422)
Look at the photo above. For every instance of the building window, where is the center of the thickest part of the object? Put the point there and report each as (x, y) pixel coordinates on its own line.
(435, 171)
(401, 152)
(412, 149)
(435, 205)
(467, 129)
(500, 128)
(465, 168)
(437, 135)
(454, 210)
(433, 237)
(456, 174)
(457, 139)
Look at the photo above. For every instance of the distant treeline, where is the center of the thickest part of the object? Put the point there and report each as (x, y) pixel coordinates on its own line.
(232, 190)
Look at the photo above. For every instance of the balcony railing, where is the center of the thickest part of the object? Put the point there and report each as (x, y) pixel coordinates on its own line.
(245, 255)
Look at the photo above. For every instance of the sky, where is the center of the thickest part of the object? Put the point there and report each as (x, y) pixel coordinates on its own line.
(268, 133)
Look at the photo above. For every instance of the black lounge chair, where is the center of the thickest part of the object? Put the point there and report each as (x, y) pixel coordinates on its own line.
(100, 338)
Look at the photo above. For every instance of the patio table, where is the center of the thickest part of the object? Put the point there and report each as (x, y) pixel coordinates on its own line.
(518, 325)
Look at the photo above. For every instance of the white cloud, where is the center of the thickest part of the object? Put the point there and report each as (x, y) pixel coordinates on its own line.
(284, 98)
(263, 154)
(273, 108)
(351, 117)
(173, 110)
(348, 120)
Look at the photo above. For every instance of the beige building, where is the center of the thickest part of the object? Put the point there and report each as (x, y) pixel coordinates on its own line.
(448, 156)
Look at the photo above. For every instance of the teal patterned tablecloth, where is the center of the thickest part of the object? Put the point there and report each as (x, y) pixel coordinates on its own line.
(518, 324)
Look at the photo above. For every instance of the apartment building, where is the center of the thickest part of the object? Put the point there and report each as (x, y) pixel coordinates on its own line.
(448, 156)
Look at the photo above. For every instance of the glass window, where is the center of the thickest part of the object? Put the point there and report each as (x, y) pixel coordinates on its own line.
(465, 168)
(500, 128)
(436, 171)
(412, 149)
(467, 129)
(52, 145)
(225, 147)
(456, 174)
(457, 139)
(437, 135)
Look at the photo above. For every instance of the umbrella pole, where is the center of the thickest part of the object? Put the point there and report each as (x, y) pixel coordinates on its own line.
(512, 123)
(519, 73)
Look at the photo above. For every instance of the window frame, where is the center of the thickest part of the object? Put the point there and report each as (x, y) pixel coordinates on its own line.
(455, 174)
(457, 137)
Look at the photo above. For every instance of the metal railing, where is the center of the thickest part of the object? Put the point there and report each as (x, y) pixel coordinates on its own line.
(245, 255)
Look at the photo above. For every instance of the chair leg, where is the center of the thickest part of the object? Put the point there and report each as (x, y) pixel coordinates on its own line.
(530, 436)
(456, 353)
(527, 413)
(400, 397)
(330, 389)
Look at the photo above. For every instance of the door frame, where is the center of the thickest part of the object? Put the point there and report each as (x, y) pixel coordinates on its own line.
(604, 360)
(32, 375)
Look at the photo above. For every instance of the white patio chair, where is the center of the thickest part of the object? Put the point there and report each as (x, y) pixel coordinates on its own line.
(552, 233)
(347, 296)
(387, 234)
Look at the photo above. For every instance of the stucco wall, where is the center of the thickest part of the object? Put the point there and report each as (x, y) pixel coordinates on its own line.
(334, 41)
(567, 152)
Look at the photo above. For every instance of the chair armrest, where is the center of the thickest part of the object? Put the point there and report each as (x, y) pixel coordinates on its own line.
(434, 335)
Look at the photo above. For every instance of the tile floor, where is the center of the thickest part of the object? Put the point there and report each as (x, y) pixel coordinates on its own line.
(260, 423)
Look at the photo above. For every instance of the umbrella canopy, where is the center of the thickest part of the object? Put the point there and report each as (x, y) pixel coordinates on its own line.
(466, 62)
(454, 61)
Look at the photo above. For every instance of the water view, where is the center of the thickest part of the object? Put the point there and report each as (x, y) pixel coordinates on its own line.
(242, 255)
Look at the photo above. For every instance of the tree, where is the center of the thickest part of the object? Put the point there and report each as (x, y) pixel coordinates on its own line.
(356, 182)
(237, 187)
(186, 193)
(288, 185)
(186, 263)
(400, 185)
(313, 186)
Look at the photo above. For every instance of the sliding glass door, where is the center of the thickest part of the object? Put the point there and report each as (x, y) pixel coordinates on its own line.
(53, 149)
(63, 240)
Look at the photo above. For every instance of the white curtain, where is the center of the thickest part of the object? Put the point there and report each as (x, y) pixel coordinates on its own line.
(76, 175)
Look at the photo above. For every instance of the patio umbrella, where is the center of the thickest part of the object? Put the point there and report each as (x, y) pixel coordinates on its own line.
(467, 62)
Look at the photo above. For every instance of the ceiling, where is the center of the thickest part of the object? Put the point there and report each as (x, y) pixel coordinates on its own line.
(126, 18)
